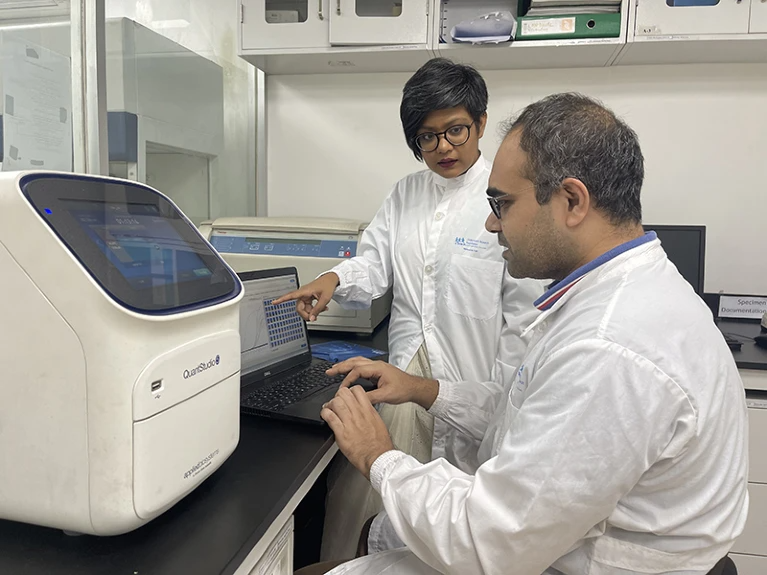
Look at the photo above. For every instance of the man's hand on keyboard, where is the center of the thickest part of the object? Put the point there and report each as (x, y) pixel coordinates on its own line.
(360, 432)
(393, 385)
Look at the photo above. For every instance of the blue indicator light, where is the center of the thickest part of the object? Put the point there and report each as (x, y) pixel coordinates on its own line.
(48, 211)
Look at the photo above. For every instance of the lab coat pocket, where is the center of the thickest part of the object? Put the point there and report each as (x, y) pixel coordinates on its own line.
(474, 287)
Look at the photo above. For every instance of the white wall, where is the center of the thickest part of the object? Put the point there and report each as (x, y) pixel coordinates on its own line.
(335, 147)
(208, 27)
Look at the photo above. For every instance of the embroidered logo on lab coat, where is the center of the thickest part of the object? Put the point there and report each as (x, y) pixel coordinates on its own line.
(521, 383)
(471, 245)
(519, 387)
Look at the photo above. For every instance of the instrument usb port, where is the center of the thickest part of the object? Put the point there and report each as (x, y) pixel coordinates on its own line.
(156, 386)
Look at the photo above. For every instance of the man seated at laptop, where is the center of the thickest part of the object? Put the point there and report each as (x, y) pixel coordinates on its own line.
(620, 444)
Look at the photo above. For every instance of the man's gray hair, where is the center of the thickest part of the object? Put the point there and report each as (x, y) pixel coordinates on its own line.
(573, 136)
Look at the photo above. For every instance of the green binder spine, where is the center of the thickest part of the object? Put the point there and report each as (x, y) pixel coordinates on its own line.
(568, 26)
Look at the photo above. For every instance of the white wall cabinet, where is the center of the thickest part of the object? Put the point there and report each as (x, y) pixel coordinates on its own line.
(758, 22)
(379, 22)
(335, 36)
(668, 17)
(697, 31)
(332, 36)
(278, 24)
(297, 24)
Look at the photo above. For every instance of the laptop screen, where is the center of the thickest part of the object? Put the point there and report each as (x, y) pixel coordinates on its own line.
(269, 334)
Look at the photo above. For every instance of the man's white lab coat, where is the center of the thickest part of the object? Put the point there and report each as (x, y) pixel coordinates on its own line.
(618, 447)
(451, 291)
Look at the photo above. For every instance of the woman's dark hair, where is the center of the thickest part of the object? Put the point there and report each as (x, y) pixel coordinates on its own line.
(437, 85)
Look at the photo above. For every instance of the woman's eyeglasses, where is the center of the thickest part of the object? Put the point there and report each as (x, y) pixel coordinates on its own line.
(456, 135)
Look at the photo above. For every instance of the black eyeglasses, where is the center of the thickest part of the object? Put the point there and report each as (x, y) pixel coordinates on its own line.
(456, 135)
(496, 204)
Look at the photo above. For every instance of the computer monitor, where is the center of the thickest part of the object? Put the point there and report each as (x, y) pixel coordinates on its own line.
(269, 334)
(686, 248)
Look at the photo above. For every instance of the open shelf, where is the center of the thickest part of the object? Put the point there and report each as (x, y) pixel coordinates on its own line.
(340, 60)
(536, 54)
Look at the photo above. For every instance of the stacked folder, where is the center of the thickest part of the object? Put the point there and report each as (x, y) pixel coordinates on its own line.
(562, 19)
(558, 7)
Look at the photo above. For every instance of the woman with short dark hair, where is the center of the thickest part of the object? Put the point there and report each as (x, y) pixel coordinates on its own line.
(454, 310)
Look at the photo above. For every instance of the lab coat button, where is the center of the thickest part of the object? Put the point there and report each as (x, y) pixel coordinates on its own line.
(439, 216)
(429, 269)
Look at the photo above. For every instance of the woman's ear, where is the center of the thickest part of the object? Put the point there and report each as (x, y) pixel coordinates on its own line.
(481, 125)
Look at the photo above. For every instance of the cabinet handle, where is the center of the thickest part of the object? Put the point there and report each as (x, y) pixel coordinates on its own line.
(338, 7)
(321, 15)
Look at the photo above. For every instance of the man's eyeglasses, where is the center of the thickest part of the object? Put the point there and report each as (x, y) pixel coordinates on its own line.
(456, 135)
(496, 204)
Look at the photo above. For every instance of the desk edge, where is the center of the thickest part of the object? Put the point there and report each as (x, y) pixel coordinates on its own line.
(260, 547)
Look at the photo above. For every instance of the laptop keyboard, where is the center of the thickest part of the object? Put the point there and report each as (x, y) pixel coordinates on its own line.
(279, 395)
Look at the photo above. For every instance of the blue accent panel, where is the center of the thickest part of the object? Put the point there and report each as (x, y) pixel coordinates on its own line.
(123, 136)
(279, 247)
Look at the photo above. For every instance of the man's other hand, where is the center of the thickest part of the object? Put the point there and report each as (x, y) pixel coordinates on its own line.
(360, 432)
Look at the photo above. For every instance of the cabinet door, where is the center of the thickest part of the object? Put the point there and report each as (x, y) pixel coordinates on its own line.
(378, 22)
(757, 429)
(278, 557)
(749, 564)
(279, 24)
(758, 24)
(667, 17)
(751, 541)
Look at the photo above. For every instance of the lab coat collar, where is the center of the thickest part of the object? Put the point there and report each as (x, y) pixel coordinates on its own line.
(464, 179)
(554, 296)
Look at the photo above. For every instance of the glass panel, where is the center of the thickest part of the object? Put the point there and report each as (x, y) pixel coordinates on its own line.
(287, 11)
(185, 178)
(378, 8)
(178, 100)
(132, 241)
(675, 3)
(35, 86)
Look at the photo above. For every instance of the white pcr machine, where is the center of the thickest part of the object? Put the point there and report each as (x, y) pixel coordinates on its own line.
(120, 347)
(311, 245)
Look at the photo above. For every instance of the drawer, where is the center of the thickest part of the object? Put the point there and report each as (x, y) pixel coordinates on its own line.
(757, 434)
(278, 558)
(753, 379)
(753, 540)
(749, 564)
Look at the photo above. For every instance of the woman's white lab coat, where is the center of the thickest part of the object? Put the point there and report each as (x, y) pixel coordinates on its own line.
(618, 447)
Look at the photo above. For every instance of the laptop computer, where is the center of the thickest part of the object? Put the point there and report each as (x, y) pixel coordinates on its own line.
(279, 376)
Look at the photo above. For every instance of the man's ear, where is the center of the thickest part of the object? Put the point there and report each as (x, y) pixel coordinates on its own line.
(578, 201)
